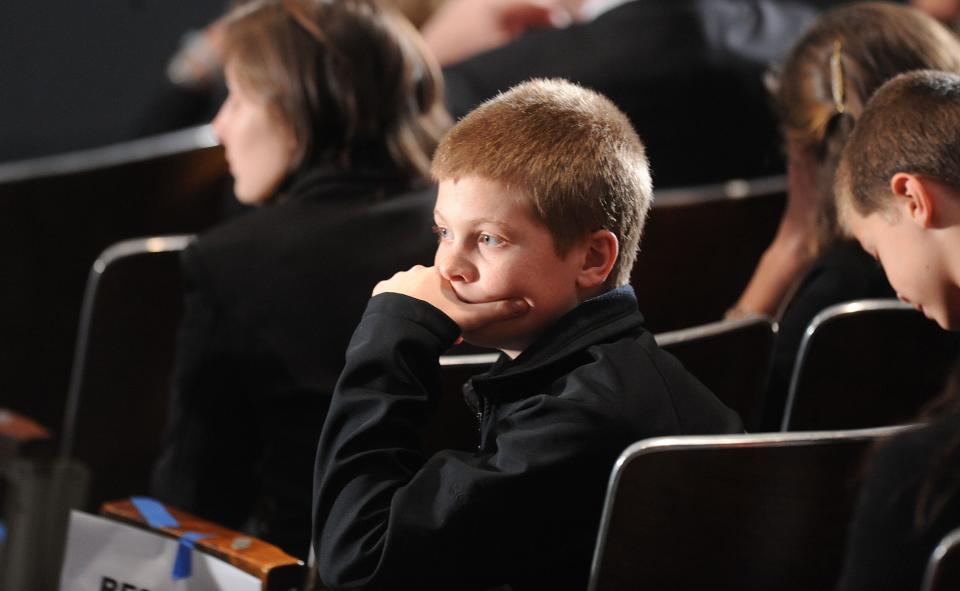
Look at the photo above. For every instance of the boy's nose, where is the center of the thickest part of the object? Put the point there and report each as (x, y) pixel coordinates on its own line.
(454, 267)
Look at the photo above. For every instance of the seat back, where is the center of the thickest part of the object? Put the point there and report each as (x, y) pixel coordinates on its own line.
(865, 364)
(116, 407)
(731, 357)
(25, 450)
(943, 569)
(764, 511)
(276, 570)
(700, 247)
(57, 214)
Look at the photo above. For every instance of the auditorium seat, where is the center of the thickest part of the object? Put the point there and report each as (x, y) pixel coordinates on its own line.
(943, 569)
(867, 363)
(276, 570)
(700, 247)
(26, 451)
(765, 511)
(117, 399)
(57, 214)
(731, 357)
(116, 403)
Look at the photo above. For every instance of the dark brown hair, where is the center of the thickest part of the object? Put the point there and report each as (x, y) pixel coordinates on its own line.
(912, 124)
(353, 79)
(570, 150)
(832, 71)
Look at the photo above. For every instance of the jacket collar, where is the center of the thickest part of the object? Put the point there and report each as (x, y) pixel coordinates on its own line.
(597, 320)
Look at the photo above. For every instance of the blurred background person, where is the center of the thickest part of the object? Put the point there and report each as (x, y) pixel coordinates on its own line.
(819, 93)
(333, 111)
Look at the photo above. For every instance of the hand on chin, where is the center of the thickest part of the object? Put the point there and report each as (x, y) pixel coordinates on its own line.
(426, 284)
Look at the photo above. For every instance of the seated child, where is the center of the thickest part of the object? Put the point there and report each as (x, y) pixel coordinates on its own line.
(542, 198)
(899, 190)
(898, 187)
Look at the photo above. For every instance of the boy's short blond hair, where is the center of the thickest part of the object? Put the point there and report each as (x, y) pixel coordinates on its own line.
(911, 125)
(571, 150)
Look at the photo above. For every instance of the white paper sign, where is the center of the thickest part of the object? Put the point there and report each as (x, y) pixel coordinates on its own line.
(106, 555)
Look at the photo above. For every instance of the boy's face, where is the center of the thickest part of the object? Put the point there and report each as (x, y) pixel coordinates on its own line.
(914, 263)
(491, 247)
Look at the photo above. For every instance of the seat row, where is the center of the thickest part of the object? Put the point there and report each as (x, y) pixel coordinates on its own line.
(757, 511)
(845, 379)
(58, 213)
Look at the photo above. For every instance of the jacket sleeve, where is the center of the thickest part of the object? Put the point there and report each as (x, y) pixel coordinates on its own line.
(387, 516)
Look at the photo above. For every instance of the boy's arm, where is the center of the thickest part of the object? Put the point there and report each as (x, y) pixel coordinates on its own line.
(372, 489)
(388, 516)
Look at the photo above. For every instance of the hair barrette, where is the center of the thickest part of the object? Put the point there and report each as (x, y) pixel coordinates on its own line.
(837, 78)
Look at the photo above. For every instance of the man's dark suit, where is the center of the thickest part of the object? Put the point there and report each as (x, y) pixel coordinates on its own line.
(688, 73)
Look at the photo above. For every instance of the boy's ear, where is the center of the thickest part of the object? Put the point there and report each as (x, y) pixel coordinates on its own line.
(600, 254)
(915, 198)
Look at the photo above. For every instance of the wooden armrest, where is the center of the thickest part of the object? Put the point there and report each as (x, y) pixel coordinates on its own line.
(18, 434)
(274, 568)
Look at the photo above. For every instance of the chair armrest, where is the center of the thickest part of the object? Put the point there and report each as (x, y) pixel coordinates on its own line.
(271, 565)
(20, 435)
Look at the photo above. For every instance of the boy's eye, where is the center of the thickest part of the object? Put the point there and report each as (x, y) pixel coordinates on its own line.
(440, 232)
(489, 240)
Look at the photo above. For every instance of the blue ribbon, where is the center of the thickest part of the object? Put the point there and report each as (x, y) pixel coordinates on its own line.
(3, 531)
(154, 512)
(158, 516)
(183, 565)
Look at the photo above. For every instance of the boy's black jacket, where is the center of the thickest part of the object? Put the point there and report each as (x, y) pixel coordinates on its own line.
(525, 508)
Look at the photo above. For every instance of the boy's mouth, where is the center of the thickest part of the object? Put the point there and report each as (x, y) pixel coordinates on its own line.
(466, 300)
(473, 300)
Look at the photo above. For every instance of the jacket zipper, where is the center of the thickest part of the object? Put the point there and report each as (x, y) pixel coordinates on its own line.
(480, 406)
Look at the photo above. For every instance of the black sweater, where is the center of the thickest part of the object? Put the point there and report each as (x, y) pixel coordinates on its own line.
(271, 301)
(887, 550)
(524, 509)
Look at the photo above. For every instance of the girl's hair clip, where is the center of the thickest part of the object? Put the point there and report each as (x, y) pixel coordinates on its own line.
(836, 77)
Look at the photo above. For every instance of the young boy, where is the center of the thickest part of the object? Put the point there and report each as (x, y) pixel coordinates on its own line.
(542, 198)
(898, 186)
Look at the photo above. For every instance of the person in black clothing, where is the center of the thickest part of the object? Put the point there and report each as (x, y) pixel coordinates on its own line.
(688, 74)
(898, 187)
(908, 503)
(333, 113)
(542, 199)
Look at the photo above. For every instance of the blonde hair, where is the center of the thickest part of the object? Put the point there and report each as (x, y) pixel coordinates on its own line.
(570, 150)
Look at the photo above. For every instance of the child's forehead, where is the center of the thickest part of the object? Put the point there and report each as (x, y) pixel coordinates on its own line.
(483, 198)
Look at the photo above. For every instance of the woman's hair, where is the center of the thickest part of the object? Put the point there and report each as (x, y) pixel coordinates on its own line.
(353, 79)
(832, 71)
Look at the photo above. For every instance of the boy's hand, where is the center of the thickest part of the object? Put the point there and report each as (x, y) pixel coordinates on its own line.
(426, 284)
